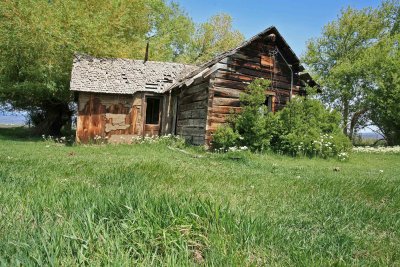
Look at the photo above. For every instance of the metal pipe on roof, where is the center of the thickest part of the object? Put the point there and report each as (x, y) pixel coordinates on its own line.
(146, 55)
(272, 38)
(291, 71)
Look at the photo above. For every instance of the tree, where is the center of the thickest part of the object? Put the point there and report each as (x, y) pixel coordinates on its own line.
(384, 96)
(38, 39)
(170, 32)
(349, 60)
(331, 58)
(211, 38)
(381, 70)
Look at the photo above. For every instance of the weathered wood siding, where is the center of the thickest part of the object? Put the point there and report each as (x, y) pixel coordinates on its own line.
(168, 116)
(234, 74)
(192, 112)
(108, 115)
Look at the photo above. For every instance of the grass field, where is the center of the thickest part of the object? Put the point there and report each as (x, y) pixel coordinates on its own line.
(151, 205)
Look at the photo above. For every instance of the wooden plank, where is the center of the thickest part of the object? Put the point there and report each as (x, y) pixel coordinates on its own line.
(151, 129)
(134, 114)
(91, 119)
(192, 122)
(250, 75)
(217, 119)
(193, 114)
(273, 103)
(194, 89)
(194, 97)
(202, 104)
(187, 130)
(214, 126)
(225, 109)
(220, 82)
(222, 101)
(226, 92)
(257, 70)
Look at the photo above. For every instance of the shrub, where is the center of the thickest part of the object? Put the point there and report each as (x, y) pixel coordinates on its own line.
(303, 127)
(224, 138)
(306, 127)
(253, 122)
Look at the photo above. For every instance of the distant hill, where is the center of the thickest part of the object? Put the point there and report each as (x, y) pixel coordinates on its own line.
(12, 118)
(370, 135)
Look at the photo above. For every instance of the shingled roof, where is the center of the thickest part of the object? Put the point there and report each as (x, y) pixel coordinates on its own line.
(124, 76)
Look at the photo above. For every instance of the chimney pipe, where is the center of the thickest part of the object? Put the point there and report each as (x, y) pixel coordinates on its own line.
(146, 56)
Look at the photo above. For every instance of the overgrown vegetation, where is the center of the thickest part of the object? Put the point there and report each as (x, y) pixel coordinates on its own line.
(303, 127)
(146, 204)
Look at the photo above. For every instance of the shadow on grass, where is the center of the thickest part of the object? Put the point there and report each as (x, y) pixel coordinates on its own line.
(24, 134)
(19, 133)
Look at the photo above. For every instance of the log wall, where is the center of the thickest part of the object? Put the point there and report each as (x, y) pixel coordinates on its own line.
(192, 112)
(168, 116)
(234, 75)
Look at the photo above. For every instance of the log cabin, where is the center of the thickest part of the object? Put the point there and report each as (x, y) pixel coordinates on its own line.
(122, 98)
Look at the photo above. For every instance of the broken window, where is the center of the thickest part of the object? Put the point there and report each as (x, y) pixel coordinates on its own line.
(152, 111)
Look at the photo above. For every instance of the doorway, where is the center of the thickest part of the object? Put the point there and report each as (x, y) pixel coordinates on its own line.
(152, 117)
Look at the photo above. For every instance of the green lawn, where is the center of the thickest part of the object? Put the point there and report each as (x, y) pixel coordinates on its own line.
(151, 205)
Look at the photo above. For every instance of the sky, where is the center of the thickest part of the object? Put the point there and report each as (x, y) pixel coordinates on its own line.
(296, 20)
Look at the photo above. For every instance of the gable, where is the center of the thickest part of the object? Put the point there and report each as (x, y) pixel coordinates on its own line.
(261, 41)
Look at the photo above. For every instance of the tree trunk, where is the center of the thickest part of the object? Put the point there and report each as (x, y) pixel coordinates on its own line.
(346, 117)
(54, 118)
(393, 138)
(354, 120)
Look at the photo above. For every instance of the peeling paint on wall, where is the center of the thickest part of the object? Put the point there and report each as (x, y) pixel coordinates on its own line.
(116, 122)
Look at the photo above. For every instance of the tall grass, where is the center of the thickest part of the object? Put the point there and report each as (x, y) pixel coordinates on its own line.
(150, 205)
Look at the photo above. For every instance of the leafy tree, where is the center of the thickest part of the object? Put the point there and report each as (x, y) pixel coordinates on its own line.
(349, 59)
(331, 58)
(171, 31)
(38, 39)
(382, 63)
(211, 38)
(381, 69)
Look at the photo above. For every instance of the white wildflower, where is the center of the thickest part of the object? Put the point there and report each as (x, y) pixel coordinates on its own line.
(379, 150)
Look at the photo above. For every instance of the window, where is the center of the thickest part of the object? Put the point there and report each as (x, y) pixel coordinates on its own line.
(152, 110)
(268, 102)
